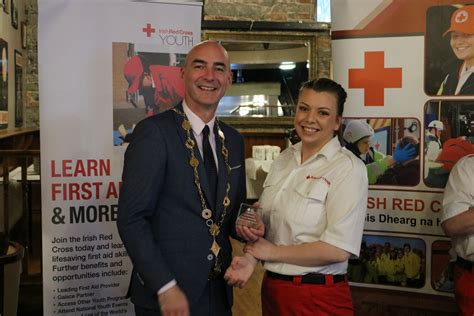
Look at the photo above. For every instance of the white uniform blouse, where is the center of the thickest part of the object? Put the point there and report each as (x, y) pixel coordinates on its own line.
(325, 199)
(459, 197)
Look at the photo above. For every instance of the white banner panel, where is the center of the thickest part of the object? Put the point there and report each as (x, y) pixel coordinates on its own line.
(87, 74)
(392, 57)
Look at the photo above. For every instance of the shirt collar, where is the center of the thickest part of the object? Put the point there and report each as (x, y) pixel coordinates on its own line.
(196, 123)
(329, 150)
(465, 69)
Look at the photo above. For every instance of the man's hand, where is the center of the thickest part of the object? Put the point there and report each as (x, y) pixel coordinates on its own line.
(240, 270)
(252, 233)
(173, 302)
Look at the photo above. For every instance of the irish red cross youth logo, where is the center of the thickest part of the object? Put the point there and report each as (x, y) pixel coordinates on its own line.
(148, 30)
(374, 78)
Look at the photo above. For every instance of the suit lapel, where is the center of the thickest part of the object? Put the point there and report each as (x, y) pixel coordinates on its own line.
(201, 170)
(467, 86)
(179, 127)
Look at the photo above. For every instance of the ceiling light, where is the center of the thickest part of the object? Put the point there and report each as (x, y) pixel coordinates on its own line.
(287, 65)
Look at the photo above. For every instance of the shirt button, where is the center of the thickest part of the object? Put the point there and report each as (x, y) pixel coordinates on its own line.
(210, 257)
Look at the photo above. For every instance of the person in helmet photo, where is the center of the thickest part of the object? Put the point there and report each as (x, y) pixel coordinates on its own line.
(460, 72)
(453, 150)
(357, 136)
(433, 145)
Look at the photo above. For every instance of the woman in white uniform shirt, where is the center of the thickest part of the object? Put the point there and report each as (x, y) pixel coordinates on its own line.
(313, 207)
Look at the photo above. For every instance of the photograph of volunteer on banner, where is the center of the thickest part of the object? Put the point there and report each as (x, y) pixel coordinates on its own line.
(144, 83)
(449, 52)
(389, 260)
(389, 147)
(449, 136)
(442, 266)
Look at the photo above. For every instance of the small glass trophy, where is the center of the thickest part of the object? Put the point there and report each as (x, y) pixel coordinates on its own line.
(247, 216)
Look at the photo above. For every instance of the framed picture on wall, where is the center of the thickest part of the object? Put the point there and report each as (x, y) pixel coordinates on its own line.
(18, 89)
(3, 84)
(14, 11)
(23, 34)
(5, 6)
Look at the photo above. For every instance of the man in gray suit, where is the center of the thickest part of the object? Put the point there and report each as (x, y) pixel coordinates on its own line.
(175, 216)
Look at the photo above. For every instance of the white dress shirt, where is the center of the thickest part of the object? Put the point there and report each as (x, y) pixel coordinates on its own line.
(197, 126)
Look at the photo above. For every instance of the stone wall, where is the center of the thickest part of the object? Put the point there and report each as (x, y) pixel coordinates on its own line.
(31, 109)
(260, 10)
(324, 55)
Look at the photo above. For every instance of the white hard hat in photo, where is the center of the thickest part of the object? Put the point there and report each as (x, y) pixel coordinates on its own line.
(436, 124)
(356, 130)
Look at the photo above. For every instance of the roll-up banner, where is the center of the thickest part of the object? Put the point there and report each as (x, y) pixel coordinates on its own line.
(103, 66)
(403, 72)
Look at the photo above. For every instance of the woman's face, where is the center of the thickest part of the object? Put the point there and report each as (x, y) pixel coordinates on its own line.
(463, 46)
(316, 119)
(363, 145)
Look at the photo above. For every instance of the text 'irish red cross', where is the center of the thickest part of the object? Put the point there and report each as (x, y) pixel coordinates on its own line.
(374, 78)
(148, 30)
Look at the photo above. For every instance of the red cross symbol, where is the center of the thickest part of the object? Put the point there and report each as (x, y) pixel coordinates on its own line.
(148, 30)
(377, 145)
(374, 78)
(461, 17)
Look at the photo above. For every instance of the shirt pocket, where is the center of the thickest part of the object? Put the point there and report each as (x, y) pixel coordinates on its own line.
(311, 201)
(267, 199)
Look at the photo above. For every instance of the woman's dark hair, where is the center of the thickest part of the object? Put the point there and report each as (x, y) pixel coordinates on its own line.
(330, 86)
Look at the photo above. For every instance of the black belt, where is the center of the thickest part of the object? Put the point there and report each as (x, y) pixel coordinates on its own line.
(311, 278)
(465, 264)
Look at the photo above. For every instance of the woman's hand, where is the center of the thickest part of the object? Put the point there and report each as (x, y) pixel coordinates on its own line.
(262, 249)
(252, 233)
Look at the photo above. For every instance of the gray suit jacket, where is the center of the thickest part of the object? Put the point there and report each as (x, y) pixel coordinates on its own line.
(159, 215)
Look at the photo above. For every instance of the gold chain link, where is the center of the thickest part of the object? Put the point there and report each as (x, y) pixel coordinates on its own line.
(194, 163)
